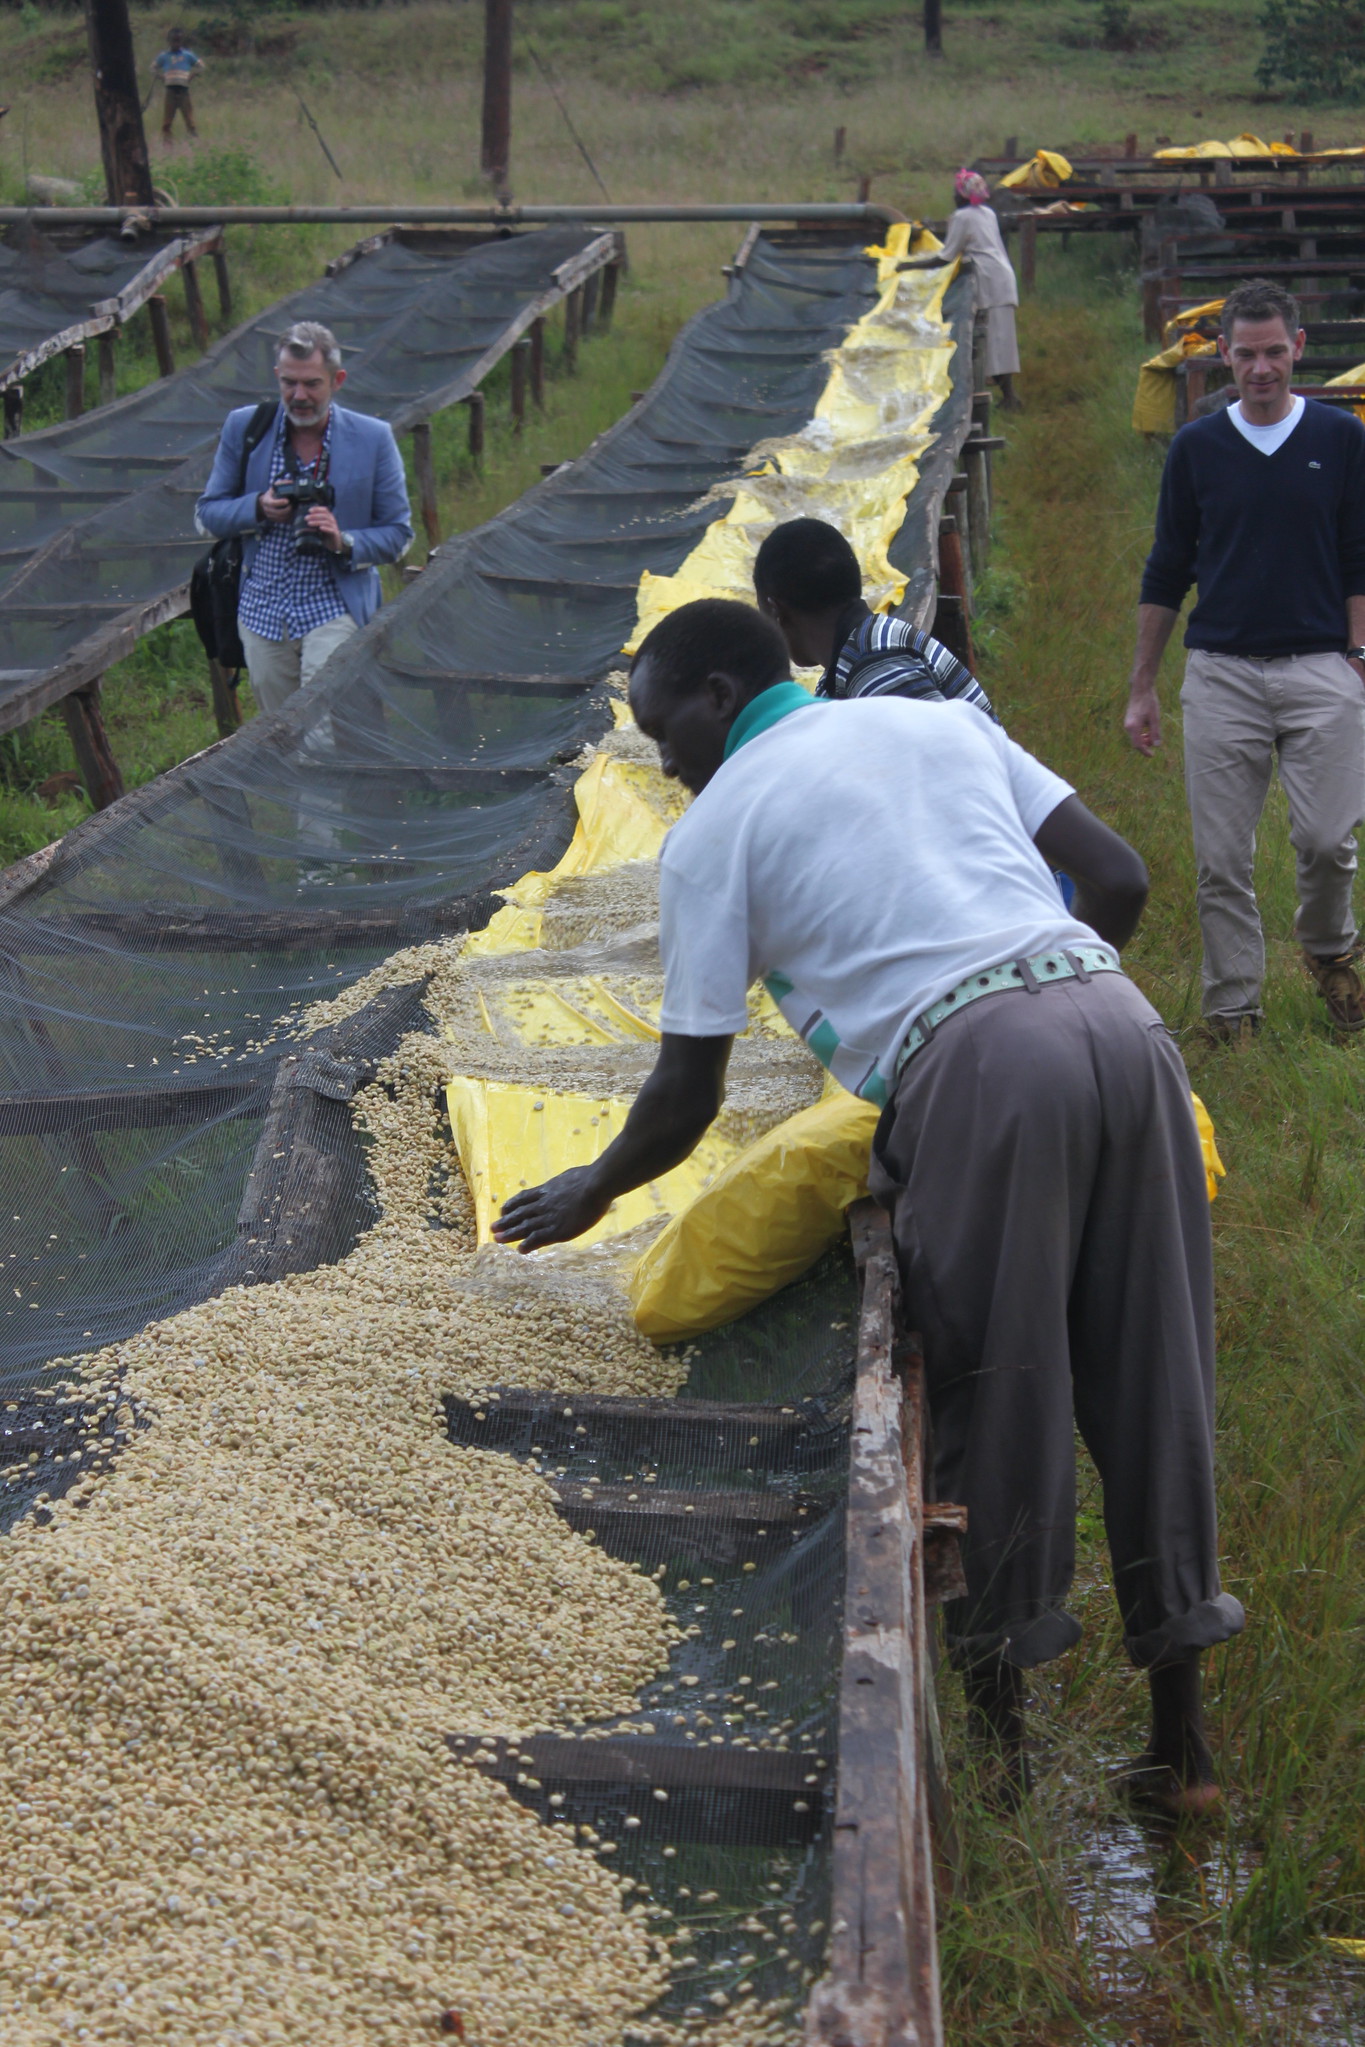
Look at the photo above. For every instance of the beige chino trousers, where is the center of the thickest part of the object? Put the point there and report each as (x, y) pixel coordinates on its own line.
(1306, 714)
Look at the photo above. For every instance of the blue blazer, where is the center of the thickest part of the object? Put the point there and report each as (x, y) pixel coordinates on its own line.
(372, 498)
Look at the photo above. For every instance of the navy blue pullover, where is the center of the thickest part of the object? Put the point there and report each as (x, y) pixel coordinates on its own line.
(1276, 543)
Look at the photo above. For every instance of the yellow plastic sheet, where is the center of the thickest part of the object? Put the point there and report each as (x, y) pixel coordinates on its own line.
(1192, 317)
(1245, 144)
(761, 1223)
(1355, 376)
(1154, 399)
(509, 1137)
(887, 379)
(624, 810)
(1045, 170)
(1354, 1948)
(589, 1010)
(1214, 1169)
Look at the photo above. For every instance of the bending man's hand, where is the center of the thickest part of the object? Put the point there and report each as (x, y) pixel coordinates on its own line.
(564, 1207)
(667, 1119)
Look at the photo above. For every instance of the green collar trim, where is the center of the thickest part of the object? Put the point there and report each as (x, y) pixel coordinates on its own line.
(767, 708)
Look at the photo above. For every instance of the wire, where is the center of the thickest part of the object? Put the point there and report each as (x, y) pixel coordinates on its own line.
(316, 130)
(543, 69)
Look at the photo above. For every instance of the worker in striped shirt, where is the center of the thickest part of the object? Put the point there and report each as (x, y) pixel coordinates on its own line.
(808, 582)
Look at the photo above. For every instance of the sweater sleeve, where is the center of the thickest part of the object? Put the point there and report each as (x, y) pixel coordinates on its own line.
(1351, 527)
(1170, 565)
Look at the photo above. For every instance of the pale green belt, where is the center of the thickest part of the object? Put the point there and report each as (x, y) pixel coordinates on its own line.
(1075, 963)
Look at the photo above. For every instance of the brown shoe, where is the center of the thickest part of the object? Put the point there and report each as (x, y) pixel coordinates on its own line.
(1239, 1031)
(1341, 988)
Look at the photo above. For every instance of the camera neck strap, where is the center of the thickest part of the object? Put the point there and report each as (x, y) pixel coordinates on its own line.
(320, 467)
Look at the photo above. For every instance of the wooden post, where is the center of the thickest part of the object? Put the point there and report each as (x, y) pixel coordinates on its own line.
(1011, 146)
(226, 709)
(161, 334)
(978, 351)
(75, 380)
(1305, 149)
(108, 365)
(14, 411)
(538, 364)
(90, 743)
(573, 319)
(224, 284)
(864, 188)
(591, 287)
(956, 505)
(194, 306)
(497, 92)
(118, 103)
(611, 277)
(840, 137)
(952, 588)
(1028, 251)
(933, 27)
(475, 403)
(1222, 171)
(518, 365)
(1130, 145)
(976, 462)
(425, 472)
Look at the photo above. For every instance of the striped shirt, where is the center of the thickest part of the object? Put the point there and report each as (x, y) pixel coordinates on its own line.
(884, 656)
(284, 593)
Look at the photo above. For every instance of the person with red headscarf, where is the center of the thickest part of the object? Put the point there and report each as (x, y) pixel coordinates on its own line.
(974, 232)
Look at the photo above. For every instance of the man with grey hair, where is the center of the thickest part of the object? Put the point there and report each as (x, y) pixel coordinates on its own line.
(318, 498)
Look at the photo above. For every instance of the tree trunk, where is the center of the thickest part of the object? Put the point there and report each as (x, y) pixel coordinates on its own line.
(118, 103)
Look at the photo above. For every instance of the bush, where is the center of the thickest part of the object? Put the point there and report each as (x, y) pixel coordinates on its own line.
(1314, 49)
(227, 177)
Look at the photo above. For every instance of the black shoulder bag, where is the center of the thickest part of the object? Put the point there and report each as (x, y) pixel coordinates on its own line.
(216, 580)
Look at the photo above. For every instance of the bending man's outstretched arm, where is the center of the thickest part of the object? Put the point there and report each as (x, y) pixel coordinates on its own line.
(667, 1120)
(1110, 878)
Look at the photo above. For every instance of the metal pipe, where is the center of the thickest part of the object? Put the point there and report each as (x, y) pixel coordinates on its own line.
(819, 213)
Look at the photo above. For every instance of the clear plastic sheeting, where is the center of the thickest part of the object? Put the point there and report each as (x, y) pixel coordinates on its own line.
(152, 967)
(97, 516)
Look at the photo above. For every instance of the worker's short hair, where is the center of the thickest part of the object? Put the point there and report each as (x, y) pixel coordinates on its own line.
(714, 635)
(1259, 299)
(808, 564)
(310, 337)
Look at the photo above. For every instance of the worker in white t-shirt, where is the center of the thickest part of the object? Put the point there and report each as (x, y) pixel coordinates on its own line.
(883, 865)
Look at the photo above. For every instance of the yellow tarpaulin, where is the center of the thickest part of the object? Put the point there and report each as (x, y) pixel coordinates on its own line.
(624, 810)
(1245, 144)
(1214, 1169)
(1154, 399)
(1044, 172)
(857, 460)
(761, 1223)
(509, 1136)
(1355, 376)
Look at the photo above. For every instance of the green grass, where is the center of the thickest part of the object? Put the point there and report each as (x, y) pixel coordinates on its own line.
(1228, 1945)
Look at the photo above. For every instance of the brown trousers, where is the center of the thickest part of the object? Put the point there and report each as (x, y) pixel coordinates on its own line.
(1046, 1187)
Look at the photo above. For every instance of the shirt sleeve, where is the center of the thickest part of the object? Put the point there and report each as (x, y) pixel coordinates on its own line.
(954, 241)
(704, 941)
(1036, 790)
(1170, 565)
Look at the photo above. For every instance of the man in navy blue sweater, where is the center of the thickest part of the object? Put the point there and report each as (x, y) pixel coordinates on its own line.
(1263, 507)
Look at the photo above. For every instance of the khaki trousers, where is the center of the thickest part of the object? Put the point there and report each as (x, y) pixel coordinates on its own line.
(1041, 1165)
(278, 667)
(1306, 712)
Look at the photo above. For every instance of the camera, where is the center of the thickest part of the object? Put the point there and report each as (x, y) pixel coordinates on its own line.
(302, 493)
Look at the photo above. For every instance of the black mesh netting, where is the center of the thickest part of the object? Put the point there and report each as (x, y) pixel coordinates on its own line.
(153, 972)
(45, 290)
(97, 516)
(160, 948)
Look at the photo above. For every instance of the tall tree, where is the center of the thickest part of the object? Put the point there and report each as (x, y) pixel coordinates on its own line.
(118, 104)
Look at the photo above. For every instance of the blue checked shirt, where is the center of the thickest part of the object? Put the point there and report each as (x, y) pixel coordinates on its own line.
(284, 594)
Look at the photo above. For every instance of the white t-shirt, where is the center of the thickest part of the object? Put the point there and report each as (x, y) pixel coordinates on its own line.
(862, 858)
(1267, 438)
